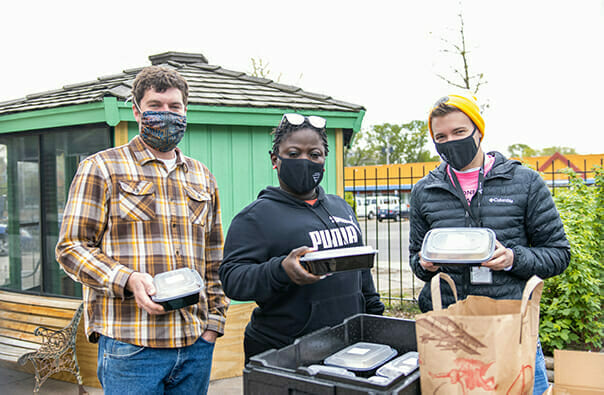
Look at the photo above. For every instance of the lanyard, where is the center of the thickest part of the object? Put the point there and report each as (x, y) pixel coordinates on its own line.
(468, 207)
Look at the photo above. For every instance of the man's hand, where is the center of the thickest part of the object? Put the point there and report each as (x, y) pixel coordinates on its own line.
(210, 336)
(429, 266)
(295, 271)
(141, 285)
(502, 258)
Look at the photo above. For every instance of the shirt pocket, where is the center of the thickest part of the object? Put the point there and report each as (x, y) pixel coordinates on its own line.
(137, 200)
(198, 202)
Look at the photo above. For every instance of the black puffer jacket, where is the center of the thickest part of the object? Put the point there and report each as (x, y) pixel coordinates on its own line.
(516, 205)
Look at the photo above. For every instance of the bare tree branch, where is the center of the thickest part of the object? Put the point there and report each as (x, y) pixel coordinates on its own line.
(462, 77)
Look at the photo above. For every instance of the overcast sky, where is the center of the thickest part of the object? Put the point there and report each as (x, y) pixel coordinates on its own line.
(542, 59)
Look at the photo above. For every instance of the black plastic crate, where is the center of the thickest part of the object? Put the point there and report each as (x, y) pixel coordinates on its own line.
(284, 371)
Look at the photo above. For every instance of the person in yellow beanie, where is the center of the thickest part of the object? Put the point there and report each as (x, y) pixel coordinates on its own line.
(450, 114)
(472, 188)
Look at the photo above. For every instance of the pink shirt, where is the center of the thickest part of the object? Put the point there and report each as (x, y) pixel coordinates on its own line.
(468, 180)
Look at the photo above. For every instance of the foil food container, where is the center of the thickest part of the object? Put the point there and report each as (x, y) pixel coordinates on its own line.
(315, 369)
(361, 356)
(339, 259)
(178, 288)
(400, 366)
(458, 245)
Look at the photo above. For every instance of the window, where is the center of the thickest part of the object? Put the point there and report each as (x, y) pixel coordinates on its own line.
(36, 170)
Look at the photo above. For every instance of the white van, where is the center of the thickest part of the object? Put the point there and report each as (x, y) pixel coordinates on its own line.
(366, 207)
(370, 205)
(387, 203)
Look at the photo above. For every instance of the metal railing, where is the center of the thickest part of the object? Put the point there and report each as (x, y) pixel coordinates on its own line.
(393, 277)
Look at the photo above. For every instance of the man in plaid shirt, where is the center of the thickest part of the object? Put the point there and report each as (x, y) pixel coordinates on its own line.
(135, 211)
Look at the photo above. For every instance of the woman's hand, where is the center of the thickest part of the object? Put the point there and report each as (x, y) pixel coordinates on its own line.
(295, 271)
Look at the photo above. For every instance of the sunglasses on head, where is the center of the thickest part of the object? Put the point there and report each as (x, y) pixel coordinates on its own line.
(298, 119)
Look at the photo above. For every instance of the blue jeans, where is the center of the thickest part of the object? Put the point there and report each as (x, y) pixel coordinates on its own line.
(541, 384)
(124, 368)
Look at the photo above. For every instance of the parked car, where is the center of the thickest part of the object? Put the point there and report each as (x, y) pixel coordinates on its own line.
(395, 213)
(404, 211)
(389, 213)
(28, 242)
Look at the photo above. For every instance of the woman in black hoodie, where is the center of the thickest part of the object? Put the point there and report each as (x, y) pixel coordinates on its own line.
(267, 238)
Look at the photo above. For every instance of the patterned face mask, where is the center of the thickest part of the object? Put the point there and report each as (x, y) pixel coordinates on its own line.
(162, 130)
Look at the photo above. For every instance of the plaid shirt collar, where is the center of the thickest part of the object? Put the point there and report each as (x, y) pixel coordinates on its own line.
(144, 155)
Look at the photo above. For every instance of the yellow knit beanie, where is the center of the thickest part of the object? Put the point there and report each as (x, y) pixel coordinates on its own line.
(467, 104)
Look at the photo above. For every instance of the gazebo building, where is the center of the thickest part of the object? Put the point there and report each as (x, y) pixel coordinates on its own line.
(45, 135)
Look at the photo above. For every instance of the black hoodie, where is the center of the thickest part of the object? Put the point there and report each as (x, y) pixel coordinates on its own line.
(258, 240)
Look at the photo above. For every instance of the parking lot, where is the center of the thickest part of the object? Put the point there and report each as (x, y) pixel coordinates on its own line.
(391, 270)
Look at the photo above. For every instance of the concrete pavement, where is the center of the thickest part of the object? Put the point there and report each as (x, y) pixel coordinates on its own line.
(15, 382)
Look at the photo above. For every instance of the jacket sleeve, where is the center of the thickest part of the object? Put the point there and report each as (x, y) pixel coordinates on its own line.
(82, 227)
(418, 227)
(247, 271)
(548, 253)
(217, 302)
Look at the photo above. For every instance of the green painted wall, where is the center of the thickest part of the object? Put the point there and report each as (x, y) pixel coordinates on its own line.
(232, 141)
(238, 157)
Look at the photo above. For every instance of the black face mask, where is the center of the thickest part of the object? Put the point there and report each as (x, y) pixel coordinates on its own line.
(300, 175)
(458, 153)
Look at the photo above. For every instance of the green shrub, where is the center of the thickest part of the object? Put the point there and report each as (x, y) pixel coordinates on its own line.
(571, 305)
(349, 197)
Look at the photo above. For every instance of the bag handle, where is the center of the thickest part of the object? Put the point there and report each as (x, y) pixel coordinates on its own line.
(533, 286)
(437, 303)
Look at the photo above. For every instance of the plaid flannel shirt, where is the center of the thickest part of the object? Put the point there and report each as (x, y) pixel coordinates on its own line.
(125, 213)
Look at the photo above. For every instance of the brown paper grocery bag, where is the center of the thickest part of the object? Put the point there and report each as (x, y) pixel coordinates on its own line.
(479, 345)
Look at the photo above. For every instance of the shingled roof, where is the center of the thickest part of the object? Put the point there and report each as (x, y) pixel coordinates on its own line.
(208, 85)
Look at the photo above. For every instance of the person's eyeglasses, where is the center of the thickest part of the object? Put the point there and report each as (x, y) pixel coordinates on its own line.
(298, 119)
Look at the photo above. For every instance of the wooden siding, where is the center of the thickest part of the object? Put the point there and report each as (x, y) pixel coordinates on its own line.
(229, 358)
